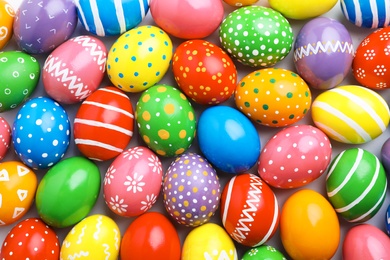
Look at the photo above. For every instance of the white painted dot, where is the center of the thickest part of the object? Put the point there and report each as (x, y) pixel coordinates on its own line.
(44, 155)
(38, 122)
(55, 142)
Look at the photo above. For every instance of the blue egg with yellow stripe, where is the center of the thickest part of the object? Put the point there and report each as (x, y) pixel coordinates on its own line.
(367, 13)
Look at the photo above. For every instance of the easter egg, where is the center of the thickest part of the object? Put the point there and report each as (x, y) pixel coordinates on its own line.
(103, 125)
(18, 184)
(309, 227)
(301, 10)
(256, 36)
(387, 220)
(365, 241)
(208, 241)
(187, 19)
(150, 236)
(68, 191)
(228, 139)
(166, 120)
(294, 157)
(356, 184)
(132, 182)
(111, 18)
(19, 76)
(139, 58)
(7, 14)
(249, 210)
(273, 97)
(40, 26)
(5, 137)
(239, 3)
(263, 252)
(95, 237)
(31, 238)
(385, 156)
(204, 72)
(191, 190)
(41, 132)
(323, 52)
(366, 13)
(350, 114)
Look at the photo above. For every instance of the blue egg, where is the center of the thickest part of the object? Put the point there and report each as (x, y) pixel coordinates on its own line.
(228, 139)
(41, 132)
(367, 13)
(387, 220)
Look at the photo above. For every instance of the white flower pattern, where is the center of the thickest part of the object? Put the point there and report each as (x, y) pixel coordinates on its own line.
(134, 183)
(150, 200)
(109, 176)
(155, 164)
(135, 152)
(117, 205)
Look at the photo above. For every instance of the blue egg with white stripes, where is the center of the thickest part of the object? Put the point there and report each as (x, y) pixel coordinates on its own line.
(111, 17)
(367, 13)
(387, 220)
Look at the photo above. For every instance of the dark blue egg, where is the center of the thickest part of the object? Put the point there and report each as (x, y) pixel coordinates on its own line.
(387, 220)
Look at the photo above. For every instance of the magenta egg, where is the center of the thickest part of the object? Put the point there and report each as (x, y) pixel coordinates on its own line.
(5, 137)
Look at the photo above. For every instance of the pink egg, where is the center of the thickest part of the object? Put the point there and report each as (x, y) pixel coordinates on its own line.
(5, 137)
(294, 157)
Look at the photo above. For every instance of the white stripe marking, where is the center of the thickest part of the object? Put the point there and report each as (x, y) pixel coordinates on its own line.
(332, 132)
(274, 222)
(120, 15)
(104, 125)
(112, 108)
(387, 12)
(120, 93)
(98, 144)
(96, 19)
(228, 198)
(374, 13)
(338, 158)
(77, 3)
(358, 13)
(142, 8)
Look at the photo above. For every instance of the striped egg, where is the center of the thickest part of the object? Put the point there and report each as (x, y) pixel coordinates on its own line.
(103, 125)
(351, 114)
(356, 184)
(367, 13)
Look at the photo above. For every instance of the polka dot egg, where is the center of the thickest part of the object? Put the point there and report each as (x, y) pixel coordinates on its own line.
(191, 190)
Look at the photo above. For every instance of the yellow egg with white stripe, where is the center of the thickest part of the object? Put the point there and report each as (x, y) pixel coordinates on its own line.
(351, 114)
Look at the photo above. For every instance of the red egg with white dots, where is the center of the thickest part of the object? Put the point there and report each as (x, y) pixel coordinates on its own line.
(5, 137)
(294, 157)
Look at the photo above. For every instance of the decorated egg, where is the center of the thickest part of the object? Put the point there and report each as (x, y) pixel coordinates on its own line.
(208, 241)
(187, 19)
(18, 184)
(150, 236)
(323, 52)
(41, 132)
(5, 137)
(95, 237)
(385, 156)
(350, 114)
(263, 252)
(309, 227)
(204, 72)
(7, 14)
(301, 10)
(103, 125)
(70, 78)
(132, 182)
(366, 13)
(356, 184)
(239, 3)
(40, 26)
(68, 191)
(387, 220)
(249, 210)
(111, 18)
(371, 63)
(19, 76)
(30, 239)
(191, 190)
(273, 97)
(166, 120)
(139, 58)
(256, 36)
(294, 157)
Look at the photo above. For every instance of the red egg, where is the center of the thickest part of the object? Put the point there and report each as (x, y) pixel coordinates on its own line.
(5, 137)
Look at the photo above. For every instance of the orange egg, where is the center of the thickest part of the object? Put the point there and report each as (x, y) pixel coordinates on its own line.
(7, 15)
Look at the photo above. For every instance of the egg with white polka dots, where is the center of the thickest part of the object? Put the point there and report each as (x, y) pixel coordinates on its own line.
(41, 132)
(294, 157)
(191, 190)
(5, 137)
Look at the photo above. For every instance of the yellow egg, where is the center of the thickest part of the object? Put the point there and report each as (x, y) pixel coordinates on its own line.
(302, 9)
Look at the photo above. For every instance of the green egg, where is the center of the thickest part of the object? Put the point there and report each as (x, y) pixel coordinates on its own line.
(263, 252)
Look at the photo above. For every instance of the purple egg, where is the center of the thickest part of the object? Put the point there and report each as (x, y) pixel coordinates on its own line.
(385, 156)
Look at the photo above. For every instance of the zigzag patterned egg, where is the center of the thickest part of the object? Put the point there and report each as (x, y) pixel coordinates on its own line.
(249, 210)
(69, 78)
(367, 13)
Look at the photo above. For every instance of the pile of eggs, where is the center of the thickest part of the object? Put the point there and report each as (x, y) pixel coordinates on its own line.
(208, 129)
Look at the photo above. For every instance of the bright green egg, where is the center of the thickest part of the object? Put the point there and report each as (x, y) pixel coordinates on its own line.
(263, 252)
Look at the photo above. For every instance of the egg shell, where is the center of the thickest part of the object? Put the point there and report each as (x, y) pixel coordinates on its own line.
(323, 52)
(273, 97)
(70, 78)
(239, 3)
(387, 220)
(350, 114)
(68, 191)
(19, 76)
(132, 182)
(301, 10)
(5, 137)
(111, 18)
(95, 237)
(150, 236)
(356, 184)
(294, 157)
(139, 58)
(208, 241)
(309, 227)
(166, 120)
(40, 26)
(385, 156)
(41, 132)
(191, 190)
(366, 13)
(18, 184)
(103, 125)
(263, 252)
(7, 14)
(31, 238)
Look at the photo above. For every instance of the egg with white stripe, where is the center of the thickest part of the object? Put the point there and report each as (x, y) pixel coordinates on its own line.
(351, 114)
(367, 13)
(356, 184)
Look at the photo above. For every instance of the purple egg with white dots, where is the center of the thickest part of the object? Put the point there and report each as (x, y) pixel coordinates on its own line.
(41, 132)
(191, 190)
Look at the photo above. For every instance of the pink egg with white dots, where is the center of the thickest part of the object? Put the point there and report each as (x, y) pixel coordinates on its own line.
(5, 137)
(294, 157)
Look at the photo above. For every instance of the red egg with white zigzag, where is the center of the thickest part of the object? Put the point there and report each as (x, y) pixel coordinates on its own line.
(103, 125)
(249, 210)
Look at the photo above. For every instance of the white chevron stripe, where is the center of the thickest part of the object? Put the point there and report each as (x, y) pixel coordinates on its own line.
(103, 125)
(96, 19)
(98, 144)
(120, 15)
(112, 108)
(309, 49)
(93, 49)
